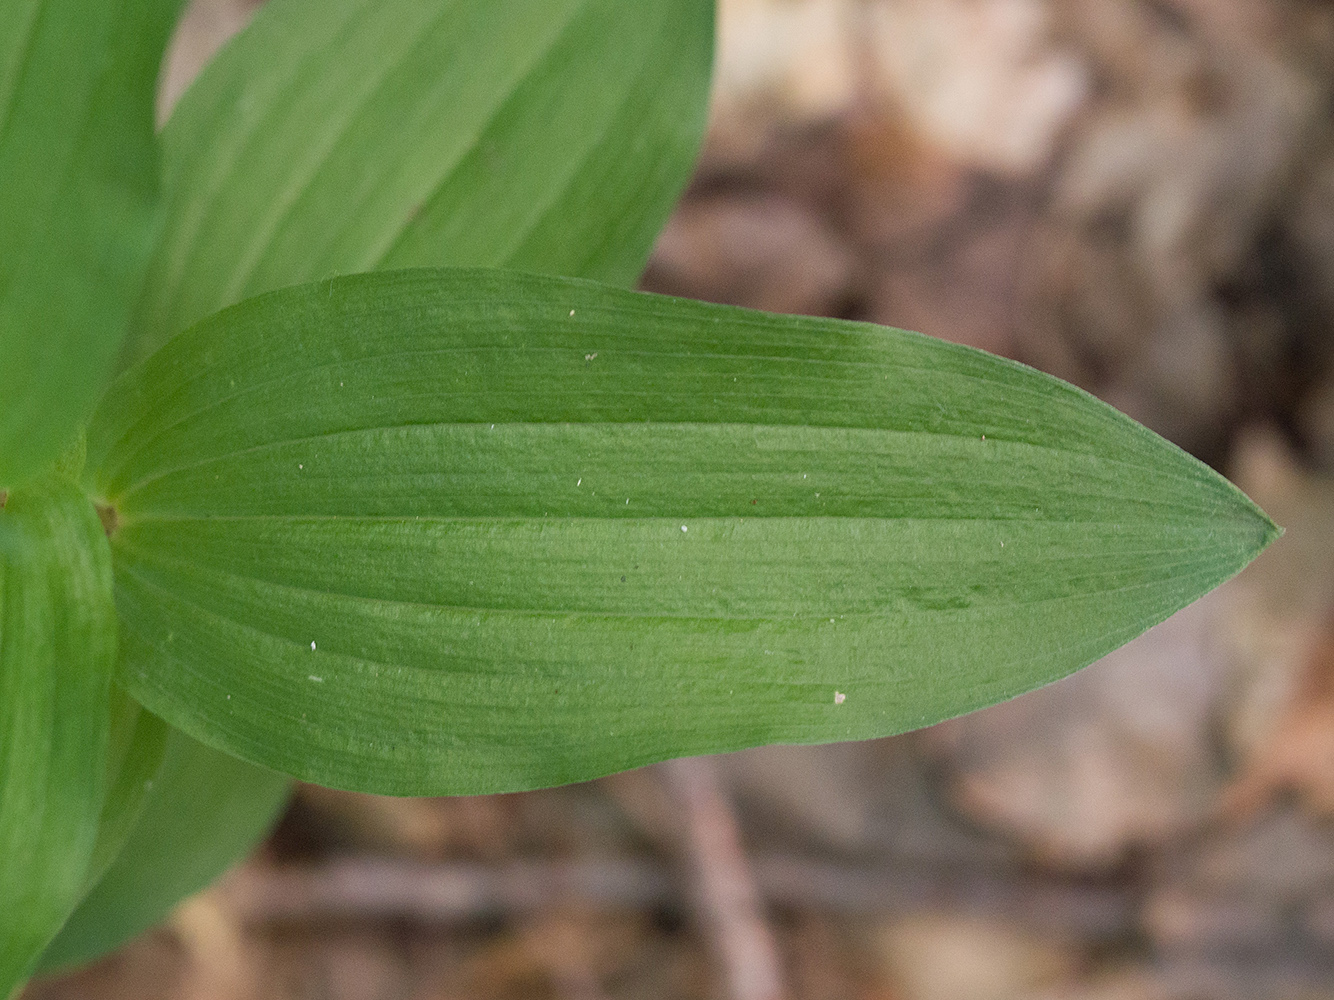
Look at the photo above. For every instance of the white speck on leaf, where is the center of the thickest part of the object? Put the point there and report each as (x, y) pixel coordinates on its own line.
(299, 465)
(684, 528)
(317, 680)
(571, 312)
(312, 645)
(580, 483)
(590, 357)
(839, 697)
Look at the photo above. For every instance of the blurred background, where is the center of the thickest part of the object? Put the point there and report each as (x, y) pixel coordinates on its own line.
(1135, 195)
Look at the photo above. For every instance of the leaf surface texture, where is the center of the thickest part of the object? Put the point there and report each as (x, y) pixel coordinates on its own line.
(339, 136)
(57, 652)
(78, 190)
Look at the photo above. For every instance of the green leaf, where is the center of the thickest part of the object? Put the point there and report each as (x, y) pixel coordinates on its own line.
(205, 810)
(138, 739)
(78, 185)
(338, 136)
(57, 651)
(469, 531)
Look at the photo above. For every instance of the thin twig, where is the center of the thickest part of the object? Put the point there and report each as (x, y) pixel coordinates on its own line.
(722, 888)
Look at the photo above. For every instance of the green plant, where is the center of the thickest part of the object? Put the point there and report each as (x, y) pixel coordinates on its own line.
(455, 528)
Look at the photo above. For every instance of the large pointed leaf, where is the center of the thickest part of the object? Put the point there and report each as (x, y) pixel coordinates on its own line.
(57, 649)
(78, 181)
(467, 531)
(335, 136)
(204, 810)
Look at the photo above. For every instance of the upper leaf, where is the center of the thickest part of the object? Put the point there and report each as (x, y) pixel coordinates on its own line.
(337, 136)
(78, 182)
(57, 649)
(467, 531)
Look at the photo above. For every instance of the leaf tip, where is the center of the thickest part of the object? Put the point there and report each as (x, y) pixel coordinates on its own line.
(1260, 531)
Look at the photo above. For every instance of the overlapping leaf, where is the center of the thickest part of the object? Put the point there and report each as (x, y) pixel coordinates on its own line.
(57, 649)
(343, 136)
(134, 754)
(464, 531)
(589, 200)
(78, 183)
(334, 137)
(205, 810)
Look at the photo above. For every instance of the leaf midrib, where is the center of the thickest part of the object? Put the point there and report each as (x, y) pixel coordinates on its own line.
(120, 496)
(198, 571)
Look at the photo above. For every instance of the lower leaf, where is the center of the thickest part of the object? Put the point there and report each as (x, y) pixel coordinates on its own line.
(205, 811)
(57, 651)
(138, 739)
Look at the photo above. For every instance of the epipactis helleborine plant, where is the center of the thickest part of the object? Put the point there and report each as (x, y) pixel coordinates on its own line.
(333, 446)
